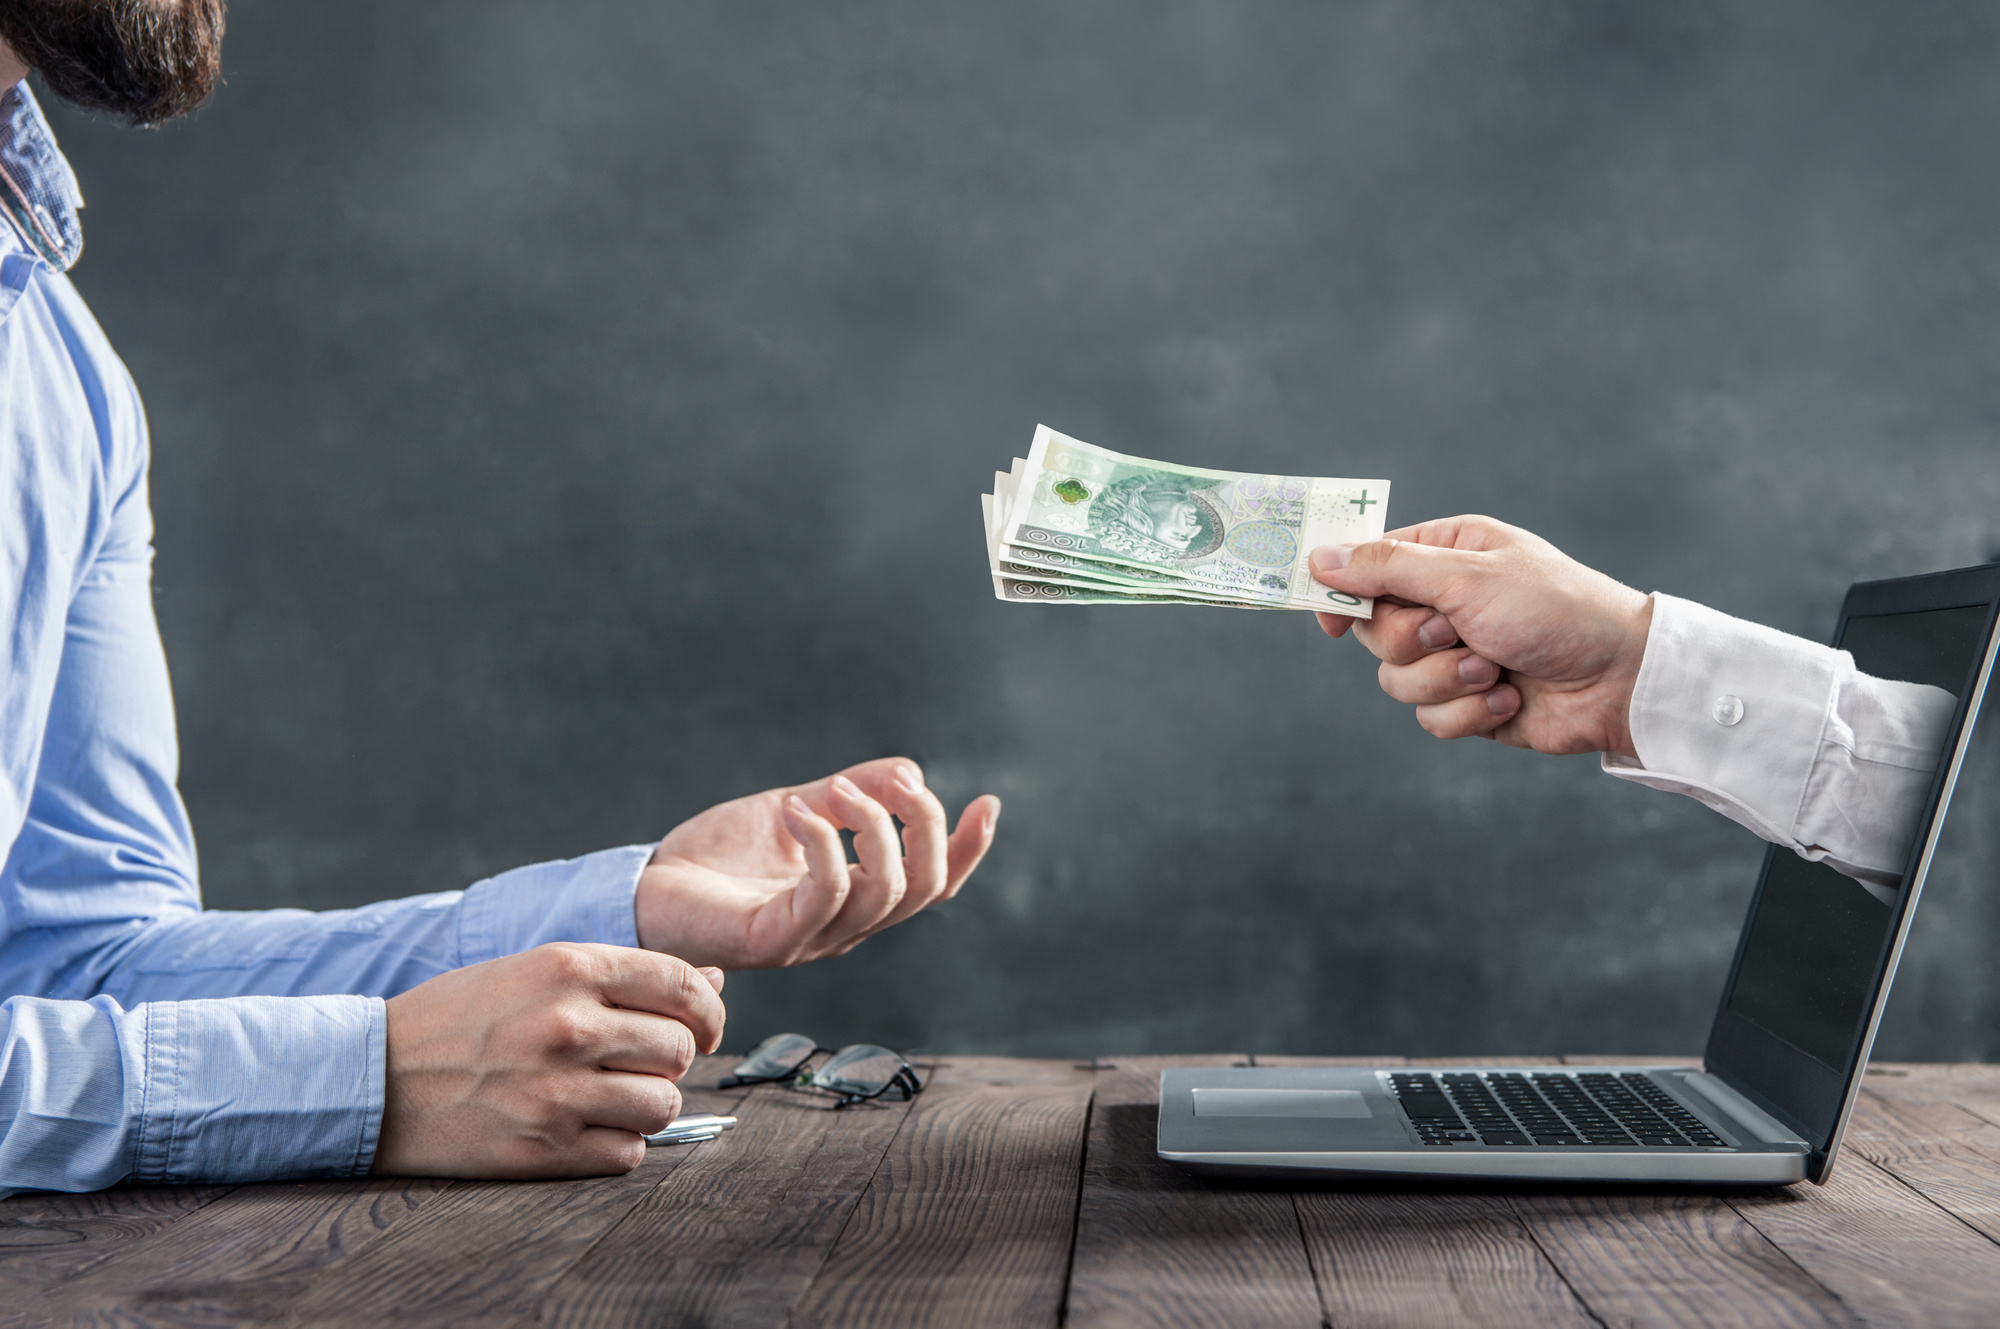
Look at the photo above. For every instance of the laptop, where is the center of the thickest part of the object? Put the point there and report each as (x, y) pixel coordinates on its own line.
(1783, 1065)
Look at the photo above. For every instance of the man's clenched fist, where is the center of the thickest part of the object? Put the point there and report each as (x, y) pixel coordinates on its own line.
(550, 1063)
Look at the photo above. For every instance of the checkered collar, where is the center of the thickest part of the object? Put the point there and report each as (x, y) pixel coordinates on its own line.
(38, 190)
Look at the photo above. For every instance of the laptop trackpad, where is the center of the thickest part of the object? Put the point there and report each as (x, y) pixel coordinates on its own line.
(1279, 1103)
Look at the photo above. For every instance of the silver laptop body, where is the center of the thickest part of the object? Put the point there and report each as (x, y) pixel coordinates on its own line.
(1785, 1055)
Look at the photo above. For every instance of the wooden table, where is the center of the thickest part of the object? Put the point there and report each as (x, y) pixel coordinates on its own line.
(1026, 1193)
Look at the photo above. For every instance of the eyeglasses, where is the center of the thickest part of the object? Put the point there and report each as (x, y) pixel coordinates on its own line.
(855, 1074)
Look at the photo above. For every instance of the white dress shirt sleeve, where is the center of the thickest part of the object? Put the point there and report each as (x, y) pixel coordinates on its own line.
(1786, 737)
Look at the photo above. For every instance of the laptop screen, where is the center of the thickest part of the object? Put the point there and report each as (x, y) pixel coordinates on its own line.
(1818, 944)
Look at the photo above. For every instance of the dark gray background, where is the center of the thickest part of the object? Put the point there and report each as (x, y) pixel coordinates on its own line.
(568, 415)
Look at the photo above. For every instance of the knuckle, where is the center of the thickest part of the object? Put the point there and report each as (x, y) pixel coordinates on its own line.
(657, 1108)
(1397, 682)
(624, 1155)
(562, 962)
(685, 986)
(677, 1051)
(565, 1029)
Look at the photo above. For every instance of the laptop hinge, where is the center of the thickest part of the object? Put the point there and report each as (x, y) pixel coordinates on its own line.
(1739, 1109)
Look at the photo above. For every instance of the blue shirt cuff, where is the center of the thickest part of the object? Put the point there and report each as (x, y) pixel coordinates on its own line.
(255, 1088)
(573, 899)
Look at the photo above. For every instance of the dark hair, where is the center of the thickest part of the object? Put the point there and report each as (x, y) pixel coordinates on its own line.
(146, 61)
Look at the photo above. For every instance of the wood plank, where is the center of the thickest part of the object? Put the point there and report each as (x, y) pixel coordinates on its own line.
(485, 1251)
(237, 1260)
(1671, 1260)
(46, 1238)
(1940, 1150)
(1389, 1258)
(1891, 1256)
(1155, 1246)
(736, 1233)
(1976, 1088)
(969, 1219)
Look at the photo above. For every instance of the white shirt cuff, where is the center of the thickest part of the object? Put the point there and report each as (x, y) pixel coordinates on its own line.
(1730, 713)
(1784, 736)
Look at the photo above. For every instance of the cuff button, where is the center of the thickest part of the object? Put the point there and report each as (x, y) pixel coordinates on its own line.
(1728, 709)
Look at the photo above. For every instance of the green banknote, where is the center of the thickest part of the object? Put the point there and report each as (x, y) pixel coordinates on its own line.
(1078, 524)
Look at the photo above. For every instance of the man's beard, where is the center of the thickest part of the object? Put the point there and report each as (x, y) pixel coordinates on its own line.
(144, 60)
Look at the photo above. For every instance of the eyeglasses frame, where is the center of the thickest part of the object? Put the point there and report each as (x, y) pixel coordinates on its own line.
(798, 1077)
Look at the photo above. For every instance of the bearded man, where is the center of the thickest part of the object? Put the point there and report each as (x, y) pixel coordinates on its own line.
(531, 1025)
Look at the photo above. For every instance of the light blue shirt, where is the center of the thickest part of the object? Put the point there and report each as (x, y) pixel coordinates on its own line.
(142, 1037)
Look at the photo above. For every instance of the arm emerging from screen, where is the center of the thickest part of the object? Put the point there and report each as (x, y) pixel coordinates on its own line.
(1488, 630)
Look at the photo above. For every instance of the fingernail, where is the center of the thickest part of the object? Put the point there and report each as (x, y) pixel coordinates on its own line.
(1437, 633)
(1502, 701)
(713, 975)
(1331, 558)
(1478, 669)
(845, 785)
(910, 778)
(797, 806)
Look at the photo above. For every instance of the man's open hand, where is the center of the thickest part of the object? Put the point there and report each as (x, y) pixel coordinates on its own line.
(764, 880)
(551, 1063)
(1487, 629)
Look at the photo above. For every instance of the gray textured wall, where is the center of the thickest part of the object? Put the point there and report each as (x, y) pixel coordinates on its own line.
(571, 414)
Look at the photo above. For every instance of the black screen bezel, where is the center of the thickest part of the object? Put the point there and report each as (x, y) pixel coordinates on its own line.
(1807, 1096)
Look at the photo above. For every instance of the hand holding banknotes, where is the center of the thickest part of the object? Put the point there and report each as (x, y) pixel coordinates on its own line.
(1487, 629)
(764, 881)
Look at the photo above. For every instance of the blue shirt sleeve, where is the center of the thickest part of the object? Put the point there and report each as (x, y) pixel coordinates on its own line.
(146, 1037)
(242, 1090)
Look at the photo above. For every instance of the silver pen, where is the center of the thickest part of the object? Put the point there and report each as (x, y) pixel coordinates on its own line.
(692, 1129)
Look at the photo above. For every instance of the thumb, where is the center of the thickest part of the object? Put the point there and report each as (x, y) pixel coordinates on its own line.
(1419, 574)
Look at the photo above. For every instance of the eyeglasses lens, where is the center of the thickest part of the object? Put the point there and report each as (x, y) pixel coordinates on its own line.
(861, 1069)
(778, 1055)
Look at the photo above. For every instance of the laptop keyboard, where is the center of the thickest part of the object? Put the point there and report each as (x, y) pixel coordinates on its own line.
(1544, 1108)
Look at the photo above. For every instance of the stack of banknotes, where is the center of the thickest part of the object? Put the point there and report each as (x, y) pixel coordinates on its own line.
(1077, 524)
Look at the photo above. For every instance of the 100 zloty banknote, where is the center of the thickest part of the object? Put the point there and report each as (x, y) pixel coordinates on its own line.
(1079, 524)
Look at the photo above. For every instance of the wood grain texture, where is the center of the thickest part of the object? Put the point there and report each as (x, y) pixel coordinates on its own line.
(970, 1217)
(45, 1239)
(485, 1251)
(1946, 1154)
(968, 1206)
(1157, 1247)
(1890, 1255)
(1670, 1260)
(1976, 1088)
(1387, 1258)
(736, 1233)
(240, 1260)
